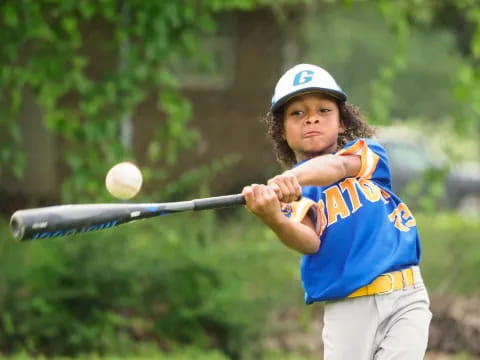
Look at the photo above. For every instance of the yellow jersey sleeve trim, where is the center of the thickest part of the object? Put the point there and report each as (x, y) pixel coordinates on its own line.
(368, 157)
(300, 210)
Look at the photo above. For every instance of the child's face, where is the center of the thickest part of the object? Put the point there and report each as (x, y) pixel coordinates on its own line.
(311, 125)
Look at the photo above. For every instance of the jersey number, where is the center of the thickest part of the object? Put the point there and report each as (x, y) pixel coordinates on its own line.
(402, 218)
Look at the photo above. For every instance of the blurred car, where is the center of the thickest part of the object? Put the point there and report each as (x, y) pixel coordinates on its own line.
(412, 162)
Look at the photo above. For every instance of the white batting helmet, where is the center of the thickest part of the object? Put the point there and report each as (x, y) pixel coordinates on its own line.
(305, 78)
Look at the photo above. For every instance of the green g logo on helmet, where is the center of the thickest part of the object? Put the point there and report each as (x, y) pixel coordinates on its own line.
(305, 78)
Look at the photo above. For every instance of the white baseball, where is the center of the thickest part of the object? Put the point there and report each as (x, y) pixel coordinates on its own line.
(124, 180)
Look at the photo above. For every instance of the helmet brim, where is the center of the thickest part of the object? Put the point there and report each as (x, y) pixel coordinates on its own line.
(333, 93)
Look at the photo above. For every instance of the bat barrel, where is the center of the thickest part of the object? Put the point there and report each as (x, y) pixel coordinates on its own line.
(65, 220)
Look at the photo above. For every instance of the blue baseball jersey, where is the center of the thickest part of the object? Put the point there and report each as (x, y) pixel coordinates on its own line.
(364, 228)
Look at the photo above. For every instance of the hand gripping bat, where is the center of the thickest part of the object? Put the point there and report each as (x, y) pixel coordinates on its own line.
(64, 220)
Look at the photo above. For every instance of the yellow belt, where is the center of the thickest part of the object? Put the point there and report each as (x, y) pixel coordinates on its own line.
(386, 283)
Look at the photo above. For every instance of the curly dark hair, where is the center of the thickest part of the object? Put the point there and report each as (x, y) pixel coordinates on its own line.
(350, 116)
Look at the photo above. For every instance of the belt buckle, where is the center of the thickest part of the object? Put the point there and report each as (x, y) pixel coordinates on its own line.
(392, 279)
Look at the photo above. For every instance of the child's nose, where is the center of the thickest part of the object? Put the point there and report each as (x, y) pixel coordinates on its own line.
(312, 119)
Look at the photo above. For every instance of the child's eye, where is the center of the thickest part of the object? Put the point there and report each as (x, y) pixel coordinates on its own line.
(296, 113)
(324, 110)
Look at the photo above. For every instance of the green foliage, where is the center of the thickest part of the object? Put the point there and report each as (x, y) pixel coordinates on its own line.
(426, 193)
(382, 95)
(468, 96)
(279, 355)
(190, 280)
(389, 74)
(427, 12)
(185, 353)
(466, 91)
(400, 59)
(186, 279)
(89, 92)
(451, 255)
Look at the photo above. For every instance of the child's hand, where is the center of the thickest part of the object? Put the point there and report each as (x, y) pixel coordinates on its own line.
(286, 187)
(263, 202)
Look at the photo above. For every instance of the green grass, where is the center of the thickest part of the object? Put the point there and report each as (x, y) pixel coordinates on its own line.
(186, 354)
(450, 252)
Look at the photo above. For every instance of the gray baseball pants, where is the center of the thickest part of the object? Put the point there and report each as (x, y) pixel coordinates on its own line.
(393, 326)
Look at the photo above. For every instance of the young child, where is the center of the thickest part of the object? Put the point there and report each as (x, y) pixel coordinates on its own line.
(335, 205)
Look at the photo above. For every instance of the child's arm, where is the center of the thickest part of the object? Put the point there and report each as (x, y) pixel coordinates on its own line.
(319, 171)
(327, 169)
(263, 202)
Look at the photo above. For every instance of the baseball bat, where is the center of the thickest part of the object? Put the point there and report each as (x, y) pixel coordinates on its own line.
(65, 220)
